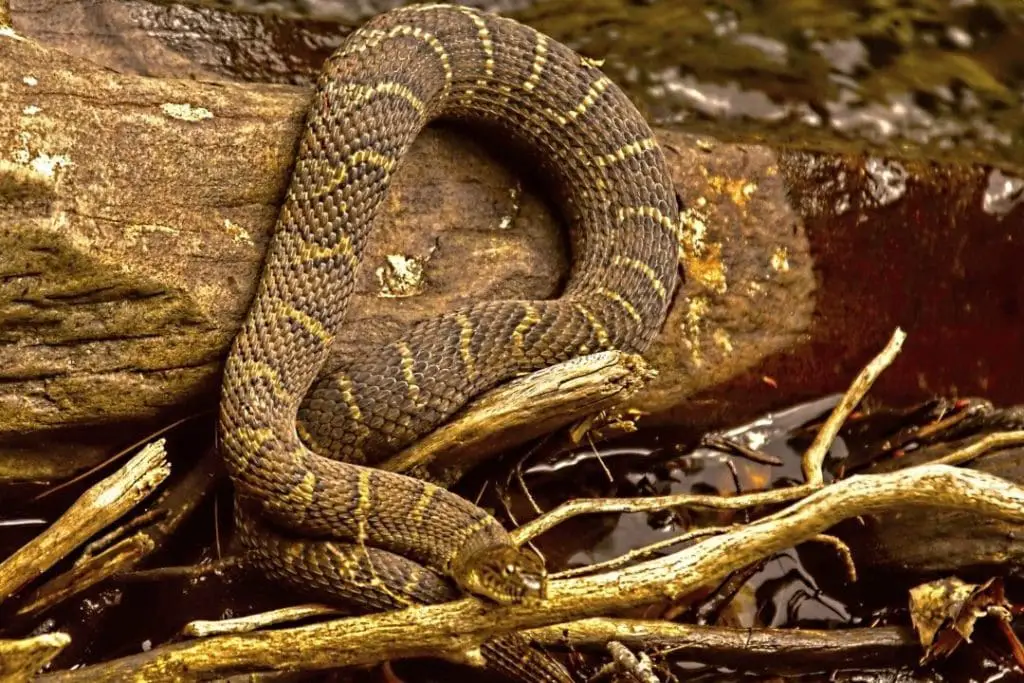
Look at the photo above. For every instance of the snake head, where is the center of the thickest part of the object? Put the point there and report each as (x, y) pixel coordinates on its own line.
(505, 574)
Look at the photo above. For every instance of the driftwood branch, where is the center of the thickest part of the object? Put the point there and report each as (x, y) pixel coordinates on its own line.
(522, 410)
(815, 455)
(201, 628)
(21, 659)
(100, 506)
(777, 650)
(464, 624)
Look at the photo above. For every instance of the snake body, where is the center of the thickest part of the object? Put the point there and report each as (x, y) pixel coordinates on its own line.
(380, 539)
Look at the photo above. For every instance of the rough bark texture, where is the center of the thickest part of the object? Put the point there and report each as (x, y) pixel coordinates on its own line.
(136, 211)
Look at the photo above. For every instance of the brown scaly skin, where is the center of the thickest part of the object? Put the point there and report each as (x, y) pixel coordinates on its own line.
(390, 78)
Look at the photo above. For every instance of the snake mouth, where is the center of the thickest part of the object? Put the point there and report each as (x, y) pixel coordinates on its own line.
(504, 574)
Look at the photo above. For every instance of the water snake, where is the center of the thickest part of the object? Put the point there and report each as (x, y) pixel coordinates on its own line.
(382, 540)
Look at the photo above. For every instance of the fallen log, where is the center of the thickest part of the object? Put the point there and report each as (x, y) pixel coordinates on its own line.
(136, 212)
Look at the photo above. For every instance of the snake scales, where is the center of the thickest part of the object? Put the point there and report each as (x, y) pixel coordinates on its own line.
(349, 532)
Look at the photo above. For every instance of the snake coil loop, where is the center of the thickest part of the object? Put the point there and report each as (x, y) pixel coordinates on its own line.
(382, 540)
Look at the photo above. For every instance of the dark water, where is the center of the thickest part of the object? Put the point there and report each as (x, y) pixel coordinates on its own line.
(933, 79)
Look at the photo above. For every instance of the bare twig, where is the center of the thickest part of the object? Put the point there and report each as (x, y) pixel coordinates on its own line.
(814, 458)
(980, 447)
(21, 659)
(107, 563)
(772, 649)
(116, 456)
(202, 628)
(523, 409)
(843, 551)
(728, 445)
(95, 509)
(461, 626)
(126, 545)
(589, 506)
(178, 573)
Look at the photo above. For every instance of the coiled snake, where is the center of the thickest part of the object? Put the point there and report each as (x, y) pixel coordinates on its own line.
(379, 539)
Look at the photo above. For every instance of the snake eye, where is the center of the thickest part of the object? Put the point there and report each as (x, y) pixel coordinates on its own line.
(510, 569)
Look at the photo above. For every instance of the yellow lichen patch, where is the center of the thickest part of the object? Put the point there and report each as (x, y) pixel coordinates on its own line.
(16, 179)
(237, 232)
(47, 164)
(136, 235)
(185, 112)
(780, 260)
(694, 231)
(43, 163)
(737, 189)
(402, 276)
(693, 323)
(709, 270)
(722, 340)
(8, 32)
